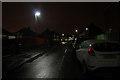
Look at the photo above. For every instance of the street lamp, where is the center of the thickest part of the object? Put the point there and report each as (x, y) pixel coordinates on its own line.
(37, 15)
(62, 34)
(86, 29)
(76, 31)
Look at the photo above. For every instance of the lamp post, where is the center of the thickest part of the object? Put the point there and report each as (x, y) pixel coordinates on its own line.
(76, 34)
(76, 31)
(86, 29)
(37, 15)
(63, 34)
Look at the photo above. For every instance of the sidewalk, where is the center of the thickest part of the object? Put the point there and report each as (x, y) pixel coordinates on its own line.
(13, 62)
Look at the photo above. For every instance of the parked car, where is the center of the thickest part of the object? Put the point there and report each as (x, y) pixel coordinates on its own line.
(94, 54)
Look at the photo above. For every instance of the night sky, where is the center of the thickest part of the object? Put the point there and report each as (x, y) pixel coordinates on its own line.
(61, 17)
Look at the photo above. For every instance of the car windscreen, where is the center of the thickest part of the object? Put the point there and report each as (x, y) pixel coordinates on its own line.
(106, 47)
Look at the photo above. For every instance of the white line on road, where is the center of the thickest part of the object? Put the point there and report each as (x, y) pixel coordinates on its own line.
(62, 61)
(63, 57)
(65, 50)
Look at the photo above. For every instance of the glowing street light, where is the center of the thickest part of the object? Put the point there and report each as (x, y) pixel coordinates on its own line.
(62, 34)
(76, 31)
(86, 29)
(37, 15)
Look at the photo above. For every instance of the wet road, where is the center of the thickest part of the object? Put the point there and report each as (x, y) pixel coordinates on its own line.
(58, 63)
(46, 66)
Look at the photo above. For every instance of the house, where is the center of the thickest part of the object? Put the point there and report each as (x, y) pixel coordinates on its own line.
(7, 35)
(90, 31)
(25, 33)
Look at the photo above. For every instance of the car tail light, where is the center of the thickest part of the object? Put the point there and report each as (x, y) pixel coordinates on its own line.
(91, 51)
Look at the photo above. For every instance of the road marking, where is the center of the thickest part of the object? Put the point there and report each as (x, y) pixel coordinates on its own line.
(63, 57)
(65, 50)
(62, 61)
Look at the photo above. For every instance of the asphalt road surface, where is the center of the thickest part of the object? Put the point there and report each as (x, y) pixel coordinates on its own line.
(46, 66)
(61, 62)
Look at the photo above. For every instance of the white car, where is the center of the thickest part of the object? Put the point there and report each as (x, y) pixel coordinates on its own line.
(94, 54)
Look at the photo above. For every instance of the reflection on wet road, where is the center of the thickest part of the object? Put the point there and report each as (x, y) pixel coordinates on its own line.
(61, 62)
(46, 66)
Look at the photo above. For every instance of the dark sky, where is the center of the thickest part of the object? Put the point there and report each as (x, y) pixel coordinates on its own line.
(61, 17)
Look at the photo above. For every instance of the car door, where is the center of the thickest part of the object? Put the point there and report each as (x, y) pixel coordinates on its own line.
(82, 51)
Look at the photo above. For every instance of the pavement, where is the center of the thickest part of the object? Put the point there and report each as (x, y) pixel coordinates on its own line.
(11, 62)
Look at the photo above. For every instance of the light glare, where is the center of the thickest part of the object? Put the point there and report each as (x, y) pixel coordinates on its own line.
(62, 34)
(37, 14)
(76, 30)
(86, 29)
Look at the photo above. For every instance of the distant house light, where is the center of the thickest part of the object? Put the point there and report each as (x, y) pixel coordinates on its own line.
(62, 34)
(86, 29)
(66, 39)
(75, 38)
(11, 37)
(3, 35)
